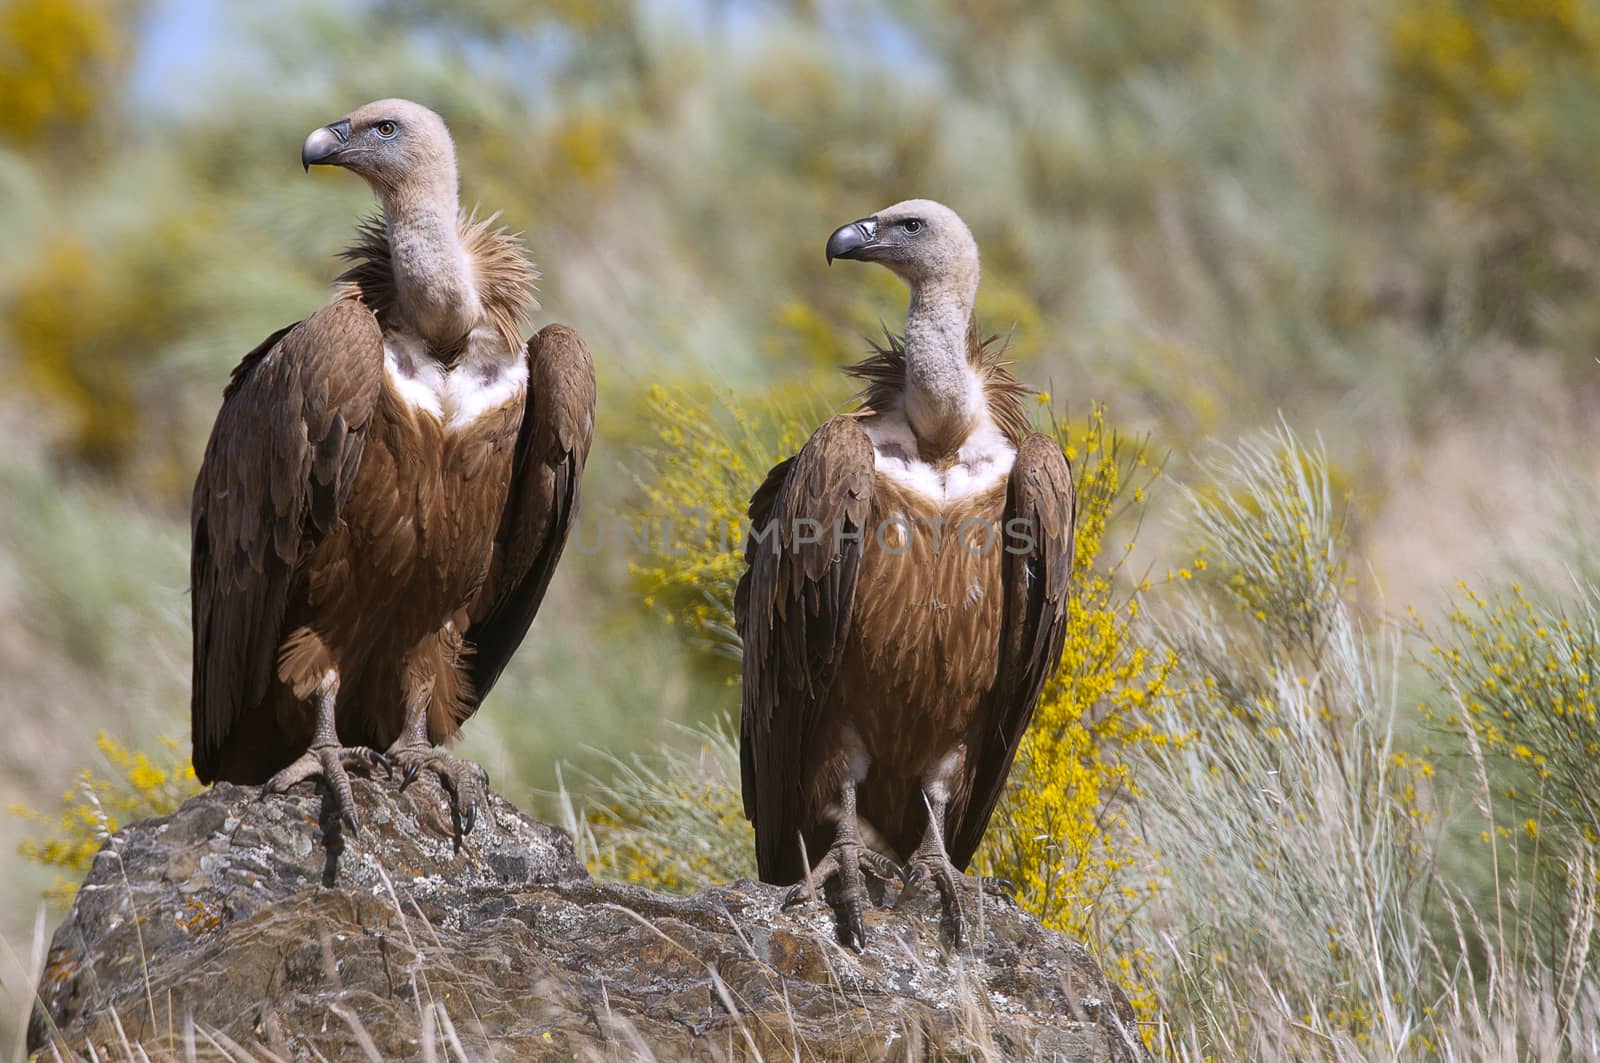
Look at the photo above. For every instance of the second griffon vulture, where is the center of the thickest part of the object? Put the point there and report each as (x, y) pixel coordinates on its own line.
(905, 597)
(386, 491)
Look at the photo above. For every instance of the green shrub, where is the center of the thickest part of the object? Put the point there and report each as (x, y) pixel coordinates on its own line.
(1524, 681)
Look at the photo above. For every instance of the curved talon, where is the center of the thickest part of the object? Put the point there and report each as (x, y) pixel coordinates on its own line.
(881, 867)
(845, 863)
(1002, 887)
(328, 763)
(853, 930)
(950, 918)
(927, 867)
(466, 783)
(858, 929)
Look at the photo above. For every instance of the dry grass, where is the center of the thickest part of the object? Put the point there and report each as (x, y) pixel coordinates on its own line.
(1307, 911)
(457, 1034)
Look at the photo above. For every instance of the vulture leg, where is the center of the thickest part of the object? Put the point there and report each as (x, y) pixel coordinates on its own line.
(844, 862)
(328, 759)
(931, 863)
(466, 782)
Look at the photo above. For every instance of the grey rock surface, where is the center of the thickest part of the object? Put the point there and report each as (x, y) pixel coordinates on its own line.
(242, 928)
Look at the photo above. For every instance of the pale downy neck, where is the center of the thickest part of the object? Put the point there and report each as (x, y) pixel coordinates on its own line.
(943, 398)
(433, 278)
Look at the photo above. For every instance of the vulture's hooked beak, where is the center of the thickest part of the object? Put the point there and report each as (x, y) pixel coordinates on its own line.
(324, 144)
(849, 241)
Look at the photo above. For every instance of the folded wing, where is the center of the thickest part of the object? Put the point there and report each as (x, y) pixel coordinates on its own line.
(542, 506)
(1036, 573)
(793, 614)
(280, 465)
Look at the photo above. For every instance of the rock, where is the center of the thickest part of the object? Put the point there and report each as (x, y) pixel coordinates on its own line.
(252, 927)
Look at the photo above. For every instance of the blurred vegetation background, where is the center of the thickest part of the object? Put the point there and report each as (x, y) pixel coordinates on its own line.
(1377, 222)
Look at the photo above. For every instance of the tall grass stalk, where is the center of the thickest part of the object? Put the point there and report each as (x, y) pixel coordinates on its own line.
(1296, 832)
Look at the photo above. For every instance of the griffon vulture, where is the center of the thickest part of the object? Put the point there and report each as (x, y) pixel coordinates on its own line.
(386, 491)
(904, 599)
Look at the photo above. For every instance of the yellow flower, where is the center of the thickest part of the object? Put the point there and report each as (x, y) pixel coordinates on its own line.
(137, 788)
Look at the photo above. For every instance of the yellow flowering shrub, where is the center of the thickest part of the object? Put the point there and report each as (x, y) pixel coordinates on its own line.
(1056, 836)
(74, 360)
(136, 786)
(589, 145)
(59, 62)
(1476, 83)
(1484, 112)
(1524, 679)
(709, 456)
(802, 334)
(1060, 835)
(89, 369)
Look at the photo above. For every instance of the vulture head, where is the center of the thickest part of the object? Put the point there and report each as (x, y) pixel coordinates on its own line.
(393, 144)
(920, 240)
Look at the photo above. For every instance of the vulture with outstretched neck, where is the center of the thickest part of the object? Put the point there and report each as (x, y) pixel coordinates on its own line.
(386, 491)
(905, 597)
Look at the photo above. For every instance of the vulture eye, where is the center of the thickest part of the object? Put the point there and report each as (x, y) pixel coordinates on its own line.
(386, 130)
(912, 225)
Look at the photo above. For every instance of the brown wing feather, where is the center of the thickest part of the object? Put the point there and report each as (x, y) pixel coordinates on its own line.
(793, 614)
(279, 466)
(1037, 585)
(552, 446)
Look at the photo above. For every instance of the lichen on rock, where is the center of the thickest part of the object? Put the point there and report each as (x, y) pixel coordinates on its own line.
(254, 927)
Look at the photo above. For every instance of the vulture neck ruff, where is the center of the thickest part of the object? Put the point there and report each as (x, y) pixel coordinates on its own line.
(983, 455)
(482, 380)
(478, 372)
(984, 458)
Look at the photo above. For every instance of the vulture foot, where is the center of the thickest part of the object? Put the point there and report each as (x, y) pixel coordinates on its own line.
(935, 868)
(466, 782)
(328, 762)
(925, 868)
(844, 864)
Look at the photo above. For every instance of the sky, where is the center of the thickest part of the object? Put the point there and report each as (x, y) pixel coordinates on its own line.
(186, 45)
(179, 45)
